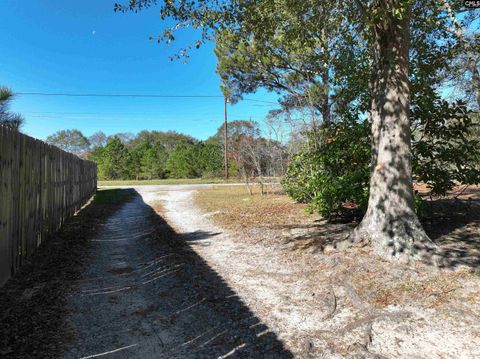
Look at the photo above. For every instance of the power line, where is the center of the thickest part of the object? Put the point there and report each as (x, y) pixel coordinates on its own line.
(252, 100)
(114, 95)
(64, 94)
(119, 118)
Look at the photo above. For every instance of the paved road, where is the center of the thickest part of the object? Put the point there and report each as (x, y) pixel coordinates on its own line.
(176, 187)
(146, 294)
(182, 187)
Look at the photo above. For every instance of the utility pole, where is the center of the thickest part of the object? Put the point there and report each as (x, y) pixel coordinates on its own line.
(225, 139)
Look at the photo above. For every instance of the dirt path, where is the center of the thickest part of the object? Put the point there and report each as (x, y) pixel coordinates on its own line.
(316, 313)
(146, 294)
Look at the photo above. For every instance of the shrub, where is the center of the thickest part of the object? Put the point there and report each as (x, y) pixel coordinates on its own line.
(333, 170)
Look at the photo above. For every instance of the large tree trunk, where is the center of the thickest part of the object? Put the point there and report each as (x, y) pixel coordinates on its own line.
(390, 224)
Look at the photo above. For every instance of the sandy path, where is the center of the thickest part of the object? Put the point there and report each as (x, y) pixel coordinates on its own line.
(146, 294)
(309, 311)
(266, 282)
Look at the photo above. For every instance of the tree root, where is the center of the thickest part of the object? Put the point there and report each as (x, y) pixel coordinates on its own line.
(405, 244)
(333, 303)
(370, 319)
(367, 337)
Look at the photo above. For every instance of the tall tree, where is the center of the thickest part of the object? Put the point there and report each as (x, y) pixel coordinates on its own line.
(8, 118)
(153, 162)
(115, 161)
(72, 141)
(181, 162)
(390, 223)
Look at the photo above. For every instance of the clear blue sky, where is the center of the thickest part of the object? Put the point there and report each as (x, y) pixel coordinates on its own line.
(84, 47)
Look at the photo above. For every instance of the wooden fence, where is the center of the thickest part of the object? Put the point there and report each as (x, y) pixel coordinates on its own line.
(40, 187)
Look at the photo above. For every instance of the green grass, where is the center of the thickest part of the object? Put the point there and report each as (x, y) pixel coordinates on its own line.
(113, 196)
(169, 181)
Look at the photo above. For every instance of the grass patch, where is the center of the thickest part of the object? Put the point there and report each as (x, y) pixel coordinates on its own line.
(235, 208)
(168, 181)
(105, 196)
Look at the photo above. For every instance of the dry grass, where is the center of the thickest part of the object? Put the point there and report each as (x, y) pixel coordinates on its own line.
(377, 282)
(166, 181)
(234, 208)
(356, 289)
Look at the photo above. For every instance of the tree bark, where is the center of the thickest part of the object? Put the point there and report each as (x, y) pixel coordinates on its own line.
(390, 224)
(476, 83)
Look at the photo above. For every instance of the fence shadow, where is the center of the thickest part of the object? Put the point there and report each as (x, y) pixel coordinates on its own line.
(169, 304)
(203, 305)
(33, 302)
(165, 301)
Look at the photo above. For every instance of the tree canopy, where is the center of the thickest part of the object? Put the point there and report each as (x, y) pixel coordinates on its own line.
(156, 154)
(72, 141)
(378, 59)
(8, 118)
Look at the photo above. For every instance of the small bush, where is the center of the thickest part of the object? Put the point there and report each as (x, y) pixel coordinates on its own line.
(333, 170)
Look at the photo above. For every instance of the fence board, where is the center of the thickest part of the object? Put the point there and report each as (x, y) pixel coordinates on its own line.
(41, 186)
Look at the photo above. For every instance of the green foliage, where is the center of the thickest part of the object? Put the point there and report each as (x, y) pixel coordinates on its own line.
(199, 160)
(8, 118)
(155, 155)
(96, 154)
(153, 162)
(209, 158)
(300, 179)
(333, 171)
(444, 153)
(181, 162)
(167, 139)
(115, 162)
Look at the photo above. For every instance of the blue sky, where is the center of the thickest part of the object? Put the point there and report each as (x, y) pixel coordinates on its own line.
(84, 47)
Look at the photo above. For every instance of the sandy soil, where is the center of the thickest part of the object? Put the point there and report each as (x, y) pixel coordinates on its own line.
(335, 305)
(145, 294)
(155, 277)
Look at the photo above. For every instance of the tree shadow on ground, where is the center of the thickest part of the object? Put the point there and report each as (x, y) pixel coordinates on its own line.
(314, 237)
(163, 300)
(214, 321)
(453, 224)
(186, 309)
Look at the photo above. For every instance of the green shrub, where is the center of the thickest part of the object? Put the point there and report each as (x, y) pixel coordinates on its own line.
(332, 170)
(445, 151)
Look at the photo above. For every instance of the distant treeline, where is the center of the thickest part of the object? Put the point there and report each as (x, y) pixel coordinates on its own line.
(156, 154)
